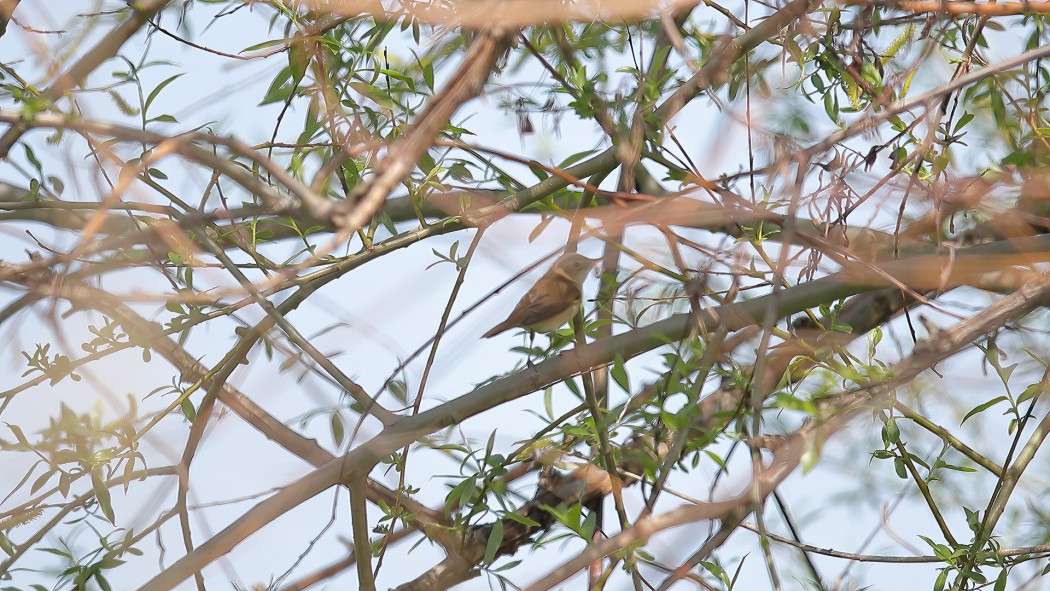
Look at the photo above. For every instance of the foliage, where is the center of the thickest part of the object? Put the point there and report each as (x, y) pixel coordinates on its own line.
(248, 254)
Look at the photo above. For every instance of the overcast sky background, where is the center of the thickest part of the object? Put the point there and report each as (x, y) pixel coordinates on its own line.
(384, 311)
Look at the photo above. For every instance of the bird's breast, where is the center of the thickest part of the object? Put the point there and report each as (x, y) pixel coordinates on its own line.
(555, 322)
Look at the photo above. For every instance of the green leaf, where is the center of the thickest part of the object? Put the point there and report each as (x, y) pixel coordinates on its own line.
(280, 89)
(507, 566)
(943, 552)
(574, 158)
(947, 466)
(265, 44)
(31, 157)
(461, 493)
(1000, 581)
(574, 388)
(56, 184)
(975, 576)
(337, 428)
(19, 435)
(6, 545)
(891, 433)
(588, 526)
(619, 374)
(187, 410)
(810, 456)
(900, 468)
(540, 227)
(942, 580)
(874, 338)
(156, 91)
(983, 407)
(966, 118)
(716, 570)
(298, 58)
(870, 73)
(42, 480)
(1031, 391)
(998, 106)
(521, 519)
(428, 74)
(717, 460)
(396, 75)
(102, 496)
(494, 542)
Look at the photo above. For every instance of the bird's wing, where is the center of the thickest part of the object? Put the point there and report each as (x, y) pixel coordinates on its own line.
(538, 306)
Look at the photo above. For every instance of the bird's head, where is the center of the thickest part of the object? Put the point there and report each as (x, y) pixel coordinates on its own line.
(575, 265)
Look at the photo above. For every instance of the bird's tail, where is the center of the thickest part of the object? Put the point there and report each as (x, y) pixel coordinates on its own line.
(502, 326)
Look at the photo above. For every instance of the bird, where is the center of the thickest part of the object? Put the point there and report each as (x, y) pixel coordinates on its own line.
(553, 300)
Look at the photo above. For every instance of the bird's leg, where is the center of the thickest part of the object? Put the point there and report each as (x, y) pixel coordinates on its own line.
(532, 341)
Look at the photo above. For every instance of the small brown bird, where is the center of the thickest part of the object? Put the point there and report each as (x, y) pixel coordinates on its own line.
(553, 300)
